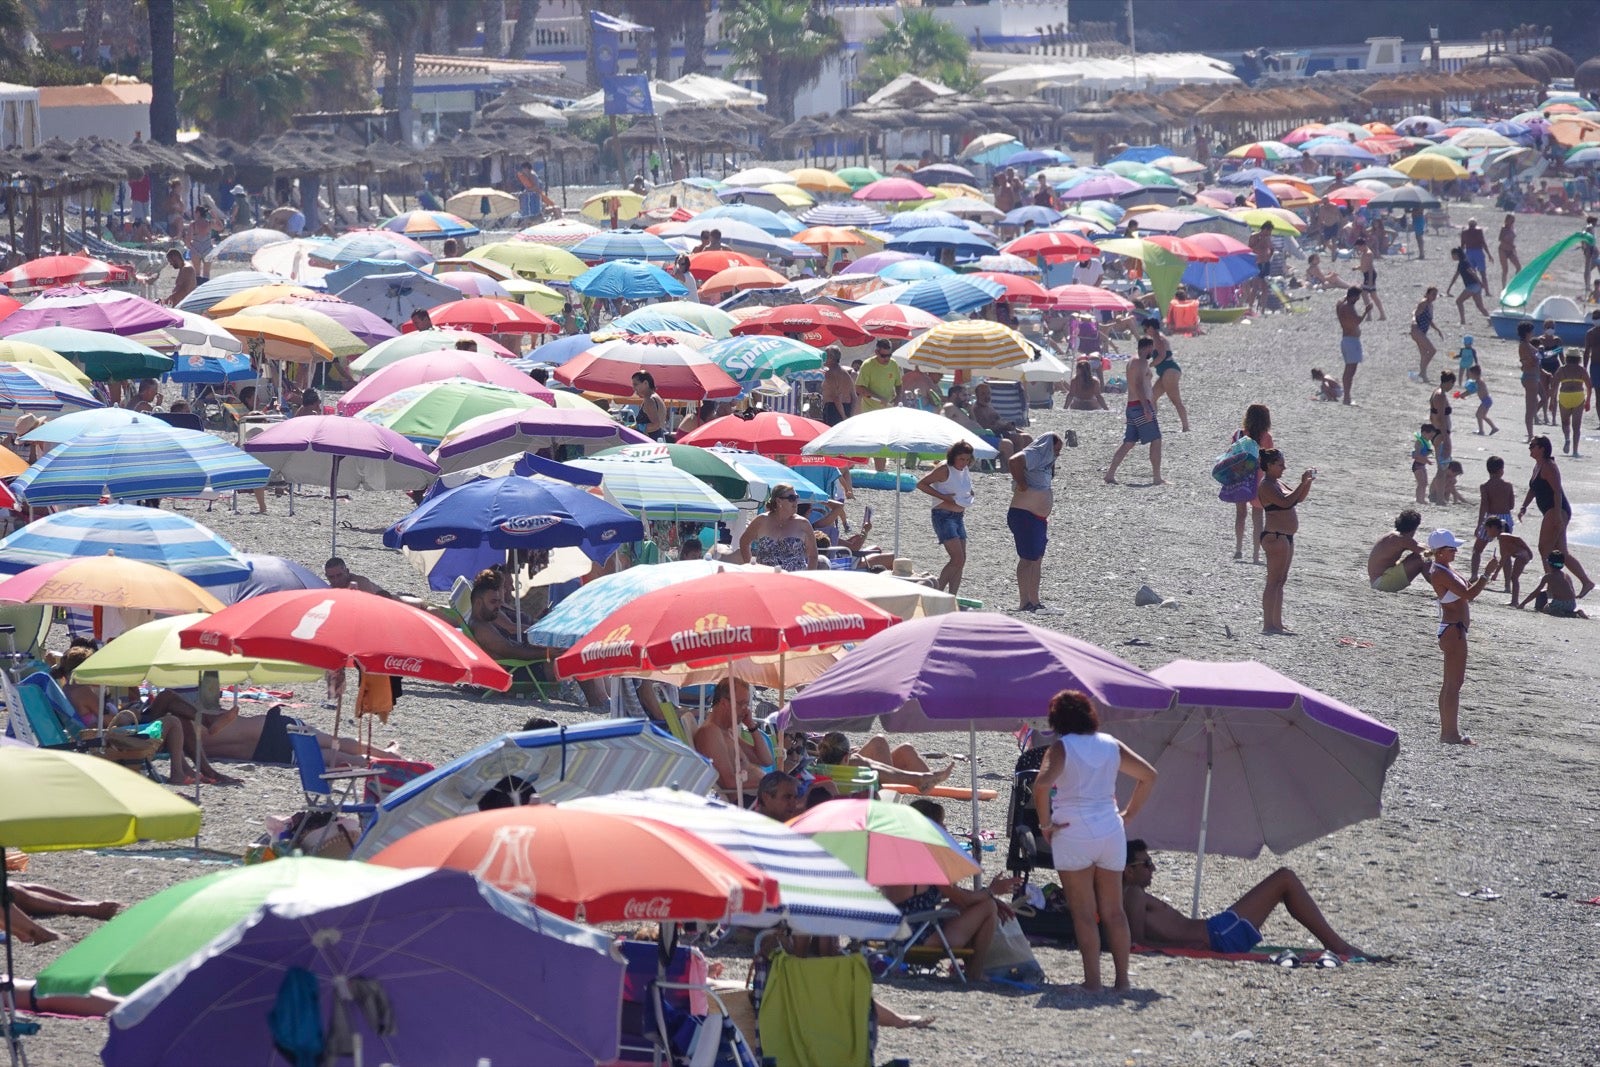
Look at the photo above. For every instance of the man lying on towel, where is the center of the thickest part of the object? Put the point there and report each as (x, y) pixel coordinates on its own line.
(1158, 924)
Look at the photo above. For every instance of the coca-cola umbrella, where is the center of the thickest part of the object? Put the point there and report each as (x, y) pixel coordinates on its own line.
(771, 433)
(50, 271)
(680, 372)
(815, 324)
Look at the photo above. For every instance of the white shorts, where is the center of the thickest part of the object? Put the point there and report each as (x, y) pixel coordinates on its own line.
(1075, 853)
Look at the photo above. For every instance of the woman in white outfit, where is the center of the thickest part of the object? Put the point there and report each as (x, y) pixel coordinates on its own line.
(951, 484)
(1075, 795)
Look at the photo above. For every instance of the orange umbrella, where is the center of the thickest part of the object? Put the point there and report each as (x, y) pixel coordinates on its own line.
(1379, 127)
(11, 464)
(107, 581)
(704, 264)
(744, 278)
(1351, 194)
(258, 294)
(279, 338)
(1192, 252)
(830, 237)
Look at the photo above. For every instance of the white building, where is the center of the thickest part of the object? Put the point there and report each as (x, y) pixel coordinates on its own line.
(19, 116)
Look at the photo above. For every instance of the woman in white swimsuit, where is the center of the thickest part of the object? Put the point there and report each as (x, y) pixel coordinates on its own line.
(1455, 618)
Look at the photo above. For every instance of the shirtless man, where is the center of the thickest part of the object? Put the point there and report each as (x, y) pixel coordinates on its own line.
(1012, 439)
(1497, 499)
(340, 577)
(958, 410)
(1369, 278)
(719, 734)
(1475, 247)
(838, 388)
(1032, 497)
(487, 628)
(1350, 322)
(1261, 247)
(187, 279)
(1156, 923)
(1397, 559)
(1141, 427)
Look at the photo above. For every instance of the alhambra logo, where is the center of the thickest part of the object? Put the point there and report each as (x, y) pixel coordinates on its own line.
(709, 631)
(816, 619)
(615, 644)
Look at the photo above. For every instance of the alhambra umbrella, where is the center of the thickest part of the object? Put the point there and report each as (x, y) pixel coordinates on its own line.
(482, 315)
(973, 345)
(342, 453)
(466, 974)
(50, 271)
(680, 372)
(433, 367)
(1249, 758)
(410, 344)
(591, 867)
(507, 433)
(628, 280)
(107, 581)
(559, 764)
(893, 320)
(769, 433)
(164, 539)
(624, 244)
(138, 461)
(571, 620)
(815, 324)
(103, 356)
(81, 308)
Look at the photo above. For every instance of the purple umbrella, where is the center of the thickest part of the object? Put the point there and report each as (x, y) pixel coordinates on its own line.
(98, 310)
(1249, 758)
(269, 574)
(358, 320)
(1100, 187)
(505, 433)
(468, 975)
(876, 261)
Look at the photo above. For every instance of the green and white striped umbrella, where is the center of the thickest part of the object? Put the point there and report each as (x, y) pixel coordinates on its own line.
(659, 490)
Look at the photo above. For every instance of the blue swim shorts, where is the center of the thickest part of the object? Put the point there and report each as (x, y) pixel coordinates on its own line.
(1136, 432)
(1030, 532)
(949, 525)
(1350, 349)
(1229, 933)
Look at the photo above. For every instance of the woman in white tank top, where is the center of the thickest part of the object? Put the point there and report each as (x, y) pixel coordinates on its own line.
(950, 483)
(1075, 795)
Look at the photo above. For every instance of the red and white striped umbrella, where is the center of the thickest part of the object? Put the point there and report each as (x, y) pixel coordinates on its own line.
(1088, 298)
(679, 371)
(900, 321)
(57, 270)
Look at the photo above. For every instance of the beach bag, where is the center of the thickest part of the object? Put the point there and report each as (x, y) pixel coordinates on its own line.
(1010, 956)
(1236, 471)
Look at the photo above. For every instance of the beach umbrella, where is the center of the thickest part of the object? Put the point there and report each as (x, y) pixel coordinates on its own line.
(291, 260)
(483, 202)
(1267, 151)
(768, 222)
(1386, 175)
(109, 581)
(332, 334)
(578, 614)
(973, 345)
(149, 653)
(563, 233)
(817, 180)
(1220, 272)
(1016, 289)
(438, 944)
(48, 272)
(1447, 151)
(905, 221)
(240, 247)
(843, 215)
(769, 433)
(1353, 195)
(625, 202)
(425, 341)
(680, 372)
(815, 324)
(430, 225)
(752, 360)
(659, 490)
(439, 366)
(913, 270)
(270, 337)
(1281, 219)
(338, 628)
(424, 413)
(1034, 213)
(624, 244)
(936, 173)
(893, 320)
(1183, 247)
(138, 461)
(1051, 245)
(1405, 196)
(102, 356)
(710, 320)
(1430, 167)
(704, 264)
(1088, 298)
(254, 296)
(508, 433)
(933, 240)
(270, 574)
(983, 142)
(628, 280)
(950, 294)
(11, 464)
(163, 539)
(490, 316)
(531, 259)
(193, 331)
(857, 177)
(370, 244)
(474, 283)
(515, 514)
(1098, 187)
(735, 278)
(394, 296)
(27, 354)
(22, 391)
(886, 843)
(1249, 759)
(890, 190)
(564, 763)
(66, 427)
(725, 471)
(1340, 149)
(757, 176)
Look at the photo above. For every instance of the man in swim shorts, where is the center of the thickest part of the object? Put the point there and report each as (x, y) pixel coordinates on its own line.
(1156, 923)
(1397, 559)
(1350, 321)
(1140, 426)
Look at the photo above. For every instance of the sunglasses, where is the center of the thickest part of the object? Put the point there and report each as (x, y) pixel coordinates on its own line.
(792, 497)
(1146, 862)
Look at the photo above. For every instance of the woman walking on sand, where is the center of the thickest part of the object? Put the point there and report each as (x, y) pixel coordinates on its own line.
(951, 484)
(1454, 595)
(1471, 285)
(1166, 371)
(1257, 426)
(1544, 488)
(1421, 323)
(1528, 360)
(1277, 540)
(1507, 251)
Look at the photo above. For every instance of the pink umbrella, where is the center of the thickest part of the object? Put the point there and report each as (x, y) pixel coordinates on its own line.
(57, 270)
(889, 189)
(472, 283)
(893, 320)
(437, 366)
(1218, 244)
(98, 310)
(680, 372)
(505, 433)
(1088, 298)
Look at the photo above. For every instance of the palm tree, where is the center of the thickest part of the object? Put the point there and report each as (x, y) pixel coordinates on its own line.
(522, 32)
(494, 28)
(163, 76)
(14, 22)
(785, 42)
(923, 44)
(399, 27)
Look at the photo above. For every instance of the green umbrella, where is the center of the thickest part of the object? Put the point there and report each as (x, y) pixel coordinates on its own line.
(1140, 172)
(856, 177)
(710, 468)
(160, 931)
(1448, 151)
(407, 345)
(532, 260)
(425, 413)
(105, 357)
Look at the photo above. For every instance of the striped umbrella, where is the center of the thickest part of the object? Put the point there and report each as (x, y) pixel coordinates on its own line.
(951, 294)
(240, 247)
(563, 233)
(24, 354)
(163, 539)
(103, 356)
(1089, 298)
(100, 310)
(78, 423)
(430, 225)
(608, 245)
(24, 389)
(973, 345)
(1268, 151)
(817, 893)
(48, 271)
(659, 490)
(843, 215)
(587, 759)
(370, 244)
(751, 360)
(893, 320)
(680, 372)
(426, 413)
(141, 460)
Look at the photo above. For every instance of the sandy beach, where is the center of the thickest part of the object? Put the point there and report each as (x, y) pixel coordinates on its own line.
(1510, 980)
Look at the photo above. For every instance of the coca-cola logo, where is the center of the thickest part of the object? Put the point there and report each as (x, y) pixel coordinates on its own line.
(529, 524)
(210, 640)
(659, 908)
(401, 665)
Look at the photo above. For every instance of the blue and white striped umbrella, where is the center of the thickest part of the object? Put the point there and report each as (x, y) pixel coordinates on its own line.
(907, 221)
(21, 391)
(608, 245)
(161, 538)
(764, 472)
(843, 215)
(950, 295)
(582, 611)
(218, 289)
(659, 490)
(136, 462)
(932, 240)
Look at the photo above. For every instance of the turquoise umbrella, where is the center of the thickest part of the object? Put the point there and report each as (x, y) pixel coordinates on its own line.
(659, 491)
(750, 359)
(105, 357)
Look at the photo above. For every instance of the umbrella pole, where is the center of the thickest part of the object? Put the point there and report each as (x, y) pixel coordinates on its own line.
(972, 773)
(8, 1000)
(1205, 814)
(333, 491)
(896, 488)
(738, 757)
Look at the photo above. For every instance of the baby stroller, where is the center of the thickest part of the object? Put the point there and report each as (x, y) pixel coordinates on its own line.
(1028, 850)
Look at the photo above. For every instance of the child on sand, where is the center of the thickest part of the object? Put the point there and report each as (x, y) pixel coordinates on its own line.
(1421, 453)
(1513, 551)
(1328, 389)
(1443, 490)
(1554, 594)
(1497, 499)
(1485, 401)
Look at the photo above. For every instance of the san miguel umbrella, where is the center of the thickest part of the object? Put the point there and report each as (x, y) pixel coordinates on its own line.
(1249, 758)
(557, 764)
(136, 462)
(163, 539)
(466, 975)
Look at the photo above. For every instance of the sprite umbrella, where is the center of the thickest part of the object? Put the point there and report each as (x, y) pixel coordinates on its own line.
(886, 843)
(1162, 266)
(150, 653)
(751, 360)
(104, 357)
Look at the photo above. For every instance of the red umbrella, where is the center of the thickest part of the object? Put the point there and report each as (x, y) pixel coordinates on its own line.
(1019, 290)
(900, 321)
(720, 618)
(338, 628)
(757, 277)
(704, 264)
(1183, 247)
(679, 371)
(591, 867)
(771, 433)
(815, 324)
(1350, 194)
(1052, 244)
(482, 314)
(8, 305)
(1218, 244)
(893, 189)
(50, 271)
(1088, 298)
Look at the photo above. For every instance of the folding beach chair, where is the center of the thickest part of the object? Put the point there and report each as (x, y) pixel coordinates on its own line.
(926, 947)
(815, 1011)
(670, 1015)
(330, 792)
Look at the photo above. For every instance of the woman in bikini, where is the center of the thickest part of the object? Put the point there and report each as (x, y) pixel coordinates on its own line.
(1421, 323)
(1545, 489)
(779, 537)
(1084, 391)
(1166, 372)
(1439, 415)
(1455, 618)
(1528, 360)
(1279, 503)
(1257, 426)
(1322, 279)
(1509, 263)
(1574, 394)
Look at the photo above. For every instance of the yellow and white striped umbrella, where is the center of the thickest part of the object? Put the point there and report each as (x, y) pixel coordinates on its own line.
(973, 345)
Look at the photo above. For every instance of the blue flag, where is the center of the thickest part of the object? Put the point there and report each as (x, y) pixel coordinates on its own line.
(628, 94)
(1264, 197)
(607, 43)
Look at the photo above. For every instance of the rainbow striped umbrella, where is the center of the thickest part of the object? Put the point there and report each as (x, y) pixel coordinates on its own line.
(28, 389)
(162, 539)
(138, 461)
(430, 225)
(887, 844)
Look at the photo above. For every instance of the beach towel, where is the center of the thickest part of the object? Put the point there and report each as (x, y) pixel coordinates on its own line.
(815, 1011)
(1039, 460)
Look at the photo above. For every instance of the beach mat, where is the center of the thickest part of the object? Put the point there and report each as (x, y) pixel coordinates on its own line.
(948, 792)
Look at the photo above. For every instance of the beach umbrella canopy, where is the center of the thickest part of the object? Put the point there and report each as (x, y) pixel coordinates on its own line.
(815, 324)
(338, 628)
(256, 295)
(193, 332)
(370, 244)
(438, 366)
(1051, 245)
(474, 283)
(1099, 187)
(889, 190)
(342, 453)
(769, 433)
(563, 233)
(240, 247)
(896, 432)
(913, 270)
(843, 215)
(48, 272)
(27, 354)
(394, 296)
(893, 320)
(150, 653)
(270, 574)
(628, 280)
(817, 180)
(271, 337)
(532, 260)
(430, 225)
(712, 321)
(1430, 167)
(515, 513)
(906, 221)
(508, 433)
(1015, 288)
(1354, 195)
(1266, 151)
(330, 333)
(483, 202)
(1183, 247)
(1405, 196)
(481, 315)
(1220, 272)
(102, 356)
(886, 843)
(108, 582)
(751, 360)
(1249, 759)
(624, 202)
(162, 539)
(1034, 213)
(439, 944)
(974, 345)
(659, 490)
(769, 222)
(1339, 148)
(69, 426)
(680, 372)
(22, 391)
(1088, 298)
(735, 278)
(425, 413)
(569, 621)
(936, 239)
(857, 177)
(425, 341)
(1447, 151)
(141, 460)
(712, 469)
(560, 764)
(291, 260)
(624, 244)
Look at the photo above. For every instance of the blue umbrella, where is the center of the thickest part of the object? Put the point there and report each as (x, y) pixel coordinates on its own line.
(935, 239)
(562, 349)
(907, 221)
(209, 366)
(768, 472)
(77, 423)
(367, 245)
(347, 275)
(144, 459)
(270, 574)
(1248, 176)
(217, 289)
(514, 513)
(394, 297)
(1225, 272)
(626, 279)
(953, 295)
(1000, 154)
(20, 391)
(622, 244)
(160, 538)
(1143, 153)
(649, 320)
(768, 221)
(912, 270)
(843, 215)
(1037, 157)
(1037, 214)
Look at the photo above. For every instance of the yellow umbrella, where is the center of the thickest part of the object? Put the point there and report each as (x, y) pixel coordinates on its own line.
(1430, 167)
(818, 180)
(535, 295)
(150, 653)
(470, 203)
(279, 339)
(973, 345)
(255, 296)
(789, 195)
(46, 359)
(576, 402)
(107, 581)
(1279, 217)
(52, 800)
(537, 261)
(598, 206)
(334, 337)
(955, 189)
